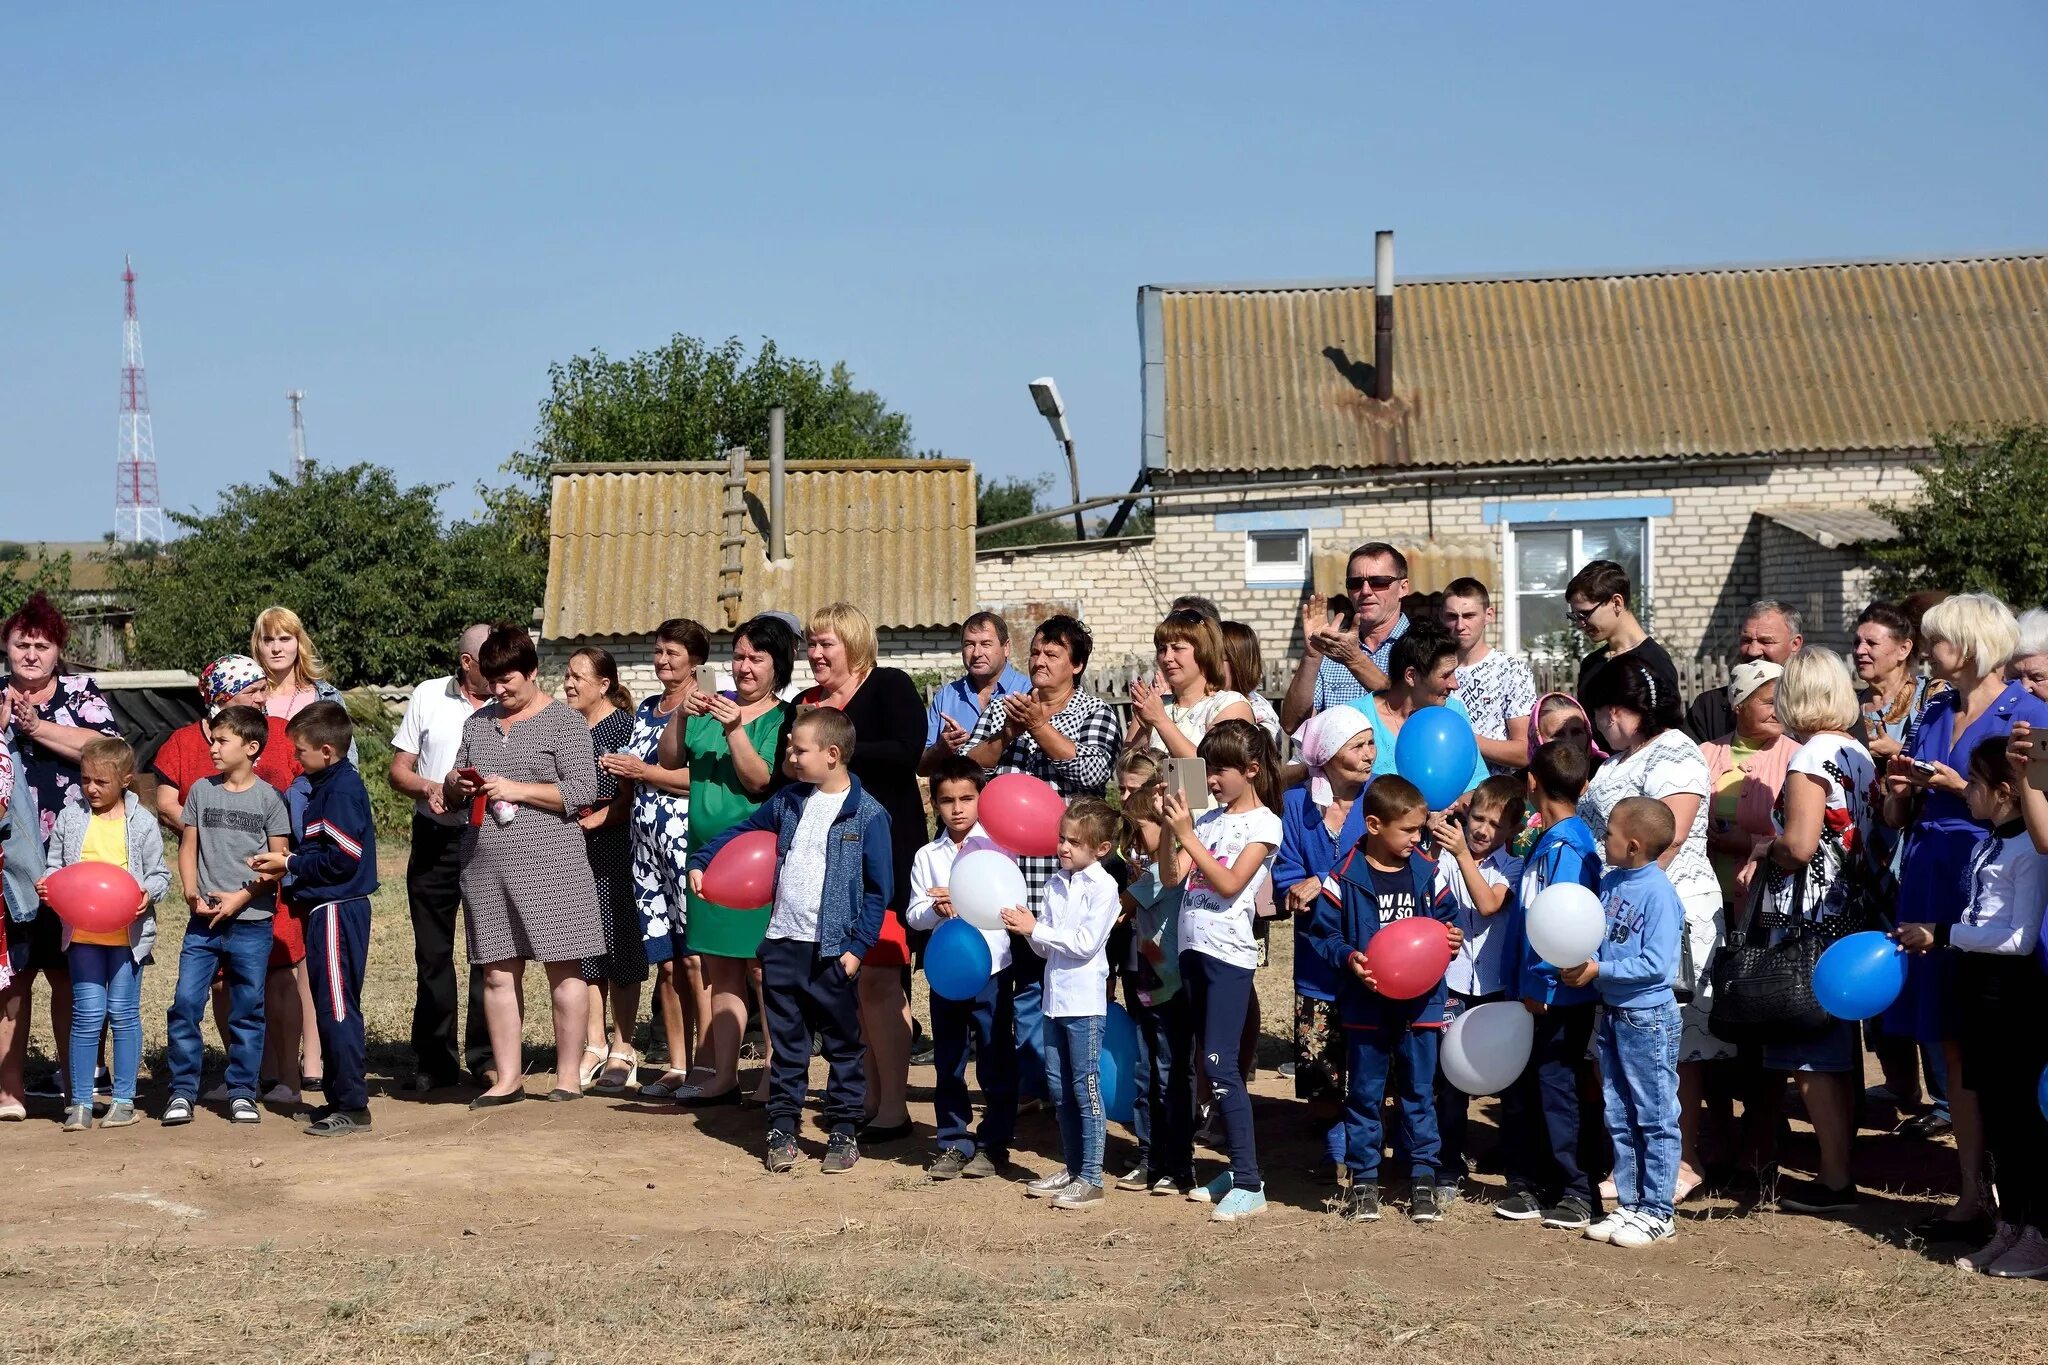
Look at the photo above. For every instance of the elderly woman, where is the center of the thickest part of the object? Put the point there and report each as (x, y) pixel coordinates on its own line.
(1636, 710)
(1747, 770)
(47, 716)
(732, 747)
(1194, 690)
(591, 686)
(2030, 656)
(524, 769)
(888, 727)
(1813, 869)
(1969, 639)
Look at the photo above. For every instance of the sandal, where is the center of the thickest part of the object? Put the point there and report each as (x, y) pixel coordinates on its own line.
(587, 1073)
(614, 1062)
(665, 1088)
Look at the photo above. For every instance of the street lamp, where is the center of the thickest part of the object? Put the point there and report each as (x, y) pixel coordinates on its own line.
(1046, 394)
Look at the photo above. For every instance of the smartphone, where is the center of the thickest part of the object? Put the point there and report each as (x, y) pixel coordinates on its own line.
(2037, 767)
(1926, 769)
(707, 680)
(1189, 777)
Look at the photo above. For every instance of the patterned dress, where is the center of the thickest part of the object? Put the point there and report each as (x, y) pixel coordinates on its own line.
(661, 843)
(624, 959)
(77, 702)
(527, 882)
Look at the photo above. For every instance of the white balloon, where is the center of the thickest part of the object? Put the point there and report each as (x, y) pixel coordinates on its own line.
(984, 884)
(1566, 924)
(1487, 1047)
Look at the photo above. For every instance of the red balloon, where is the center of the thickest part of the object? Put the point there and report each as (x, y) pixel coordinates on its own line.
(742, 874)
(98, 898)
(1023, 813)
(1408, 957)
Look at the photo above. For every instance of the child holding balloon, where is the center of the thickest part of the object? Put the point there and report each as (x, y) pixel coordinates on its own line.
(106, 965)
(1999, 990)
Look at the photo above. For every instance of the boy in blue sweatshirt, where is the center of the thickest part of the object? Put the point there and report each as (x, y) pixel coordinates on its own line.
(1639, 1027)
(333, 872)
(1384, 879)
(1548, 1176)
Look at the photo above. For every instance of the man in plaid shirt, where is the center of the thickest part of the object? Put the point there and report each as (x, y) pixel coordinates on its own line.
(1069, 738)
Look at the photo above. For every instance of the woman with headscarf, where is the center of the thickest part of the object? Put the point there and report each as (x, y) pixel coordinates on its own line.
(1747, 770)
(1320, 821)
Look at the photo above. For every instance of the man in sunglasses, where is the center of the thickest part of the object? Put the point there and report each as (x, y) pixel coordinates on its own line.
(1596, 603)
(1340, 665)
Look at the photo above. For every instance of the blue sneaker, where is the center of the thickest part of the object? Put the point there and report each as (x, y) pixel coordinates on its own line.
(1211, 1193)
(1239, 1204)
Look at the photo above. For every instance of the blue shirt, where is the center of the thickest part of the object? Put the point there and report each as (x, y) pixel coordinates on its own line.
(1307, 850)
(1565, 852)
(1384, 763)
(1334, 684)
(962, 702)
(1639, 956)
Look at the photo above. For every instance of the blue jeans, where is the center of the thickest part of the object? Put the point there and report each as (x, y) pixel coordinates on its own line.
(242, 947)
(106, 989)
(1163, 1107)
(989, 1020)
(1030, 1008)
(1074, 1077)
(1407, 1057)
(1638, 1052)
(1219, 996)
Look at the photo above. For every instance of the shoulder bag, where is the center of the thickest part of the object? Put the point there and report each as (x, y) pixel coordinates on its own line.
(1763, 991)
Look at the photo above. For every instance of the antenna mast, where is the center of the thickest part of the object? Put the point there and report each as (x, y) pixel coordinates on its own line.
(300, 467)
(138, 507)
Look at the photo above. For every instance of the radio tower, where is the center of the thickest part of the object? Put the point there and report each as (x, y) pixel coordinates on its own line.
(299, 470)
(138, 507)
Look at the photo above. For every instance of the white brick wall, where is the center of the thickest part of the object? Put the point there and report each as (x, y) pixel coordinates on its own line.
(1111, 585)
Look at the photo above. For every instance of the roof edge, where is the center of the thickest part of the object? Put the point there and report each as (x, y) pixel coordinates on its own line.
(791, 466)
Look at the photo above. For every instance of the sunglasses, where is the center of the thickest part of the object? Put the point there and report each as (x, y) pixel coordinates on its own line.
(1378, 582)
(1580, 618)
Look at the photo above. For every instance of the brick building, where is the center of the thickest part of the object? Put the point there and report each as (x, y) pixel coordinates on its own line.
(1722, 431)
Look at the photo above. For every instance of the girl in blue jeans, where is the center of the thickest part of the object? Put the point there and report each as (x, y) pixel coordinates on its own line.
(106, 967)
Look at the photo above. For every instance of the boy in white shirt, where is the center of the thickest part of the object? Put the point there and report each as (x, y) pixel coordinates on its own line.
(990, 1018)
(1081, 904)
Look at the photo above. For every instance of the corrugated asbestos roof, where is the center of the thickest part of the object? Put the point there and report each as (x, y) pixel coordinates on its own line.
(630, 545)
(1831, 527)
(1733, 360)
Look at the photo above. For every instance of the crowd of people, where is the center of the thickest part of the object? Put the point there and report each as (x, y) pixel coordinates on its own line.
(1811, 797)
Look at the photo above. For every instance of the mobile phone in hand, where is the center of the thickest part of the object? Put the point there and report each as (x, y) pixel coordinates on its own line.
(707, 680)
(1189, 777)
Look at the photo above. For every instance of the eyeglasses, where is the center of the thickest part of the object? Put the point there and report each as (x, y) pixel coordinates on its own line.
(1378, 582)
(1580, 618)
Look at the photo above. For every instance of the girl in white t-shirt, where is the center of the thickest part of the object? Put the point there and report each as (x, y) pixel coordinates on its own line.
(1223, 858)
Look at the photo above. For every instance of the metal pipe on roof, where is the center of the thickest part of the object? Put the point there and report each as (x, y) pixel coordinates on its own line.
(778, 547)
(1383, 316)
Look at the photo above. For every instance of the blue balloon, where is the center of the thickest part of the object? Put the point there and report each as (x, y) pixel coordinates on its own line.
(1438, 752)
(957, 961)
(1119, 1064)
(1859, 976)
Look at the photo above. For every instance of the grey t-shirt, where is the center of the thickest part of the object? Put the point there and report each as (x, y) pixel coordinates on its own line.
(233, 828)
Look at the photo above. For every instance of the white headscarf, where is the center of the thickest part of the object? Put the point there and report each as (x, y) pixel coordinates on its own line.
(1320, 737)
(1749, 676)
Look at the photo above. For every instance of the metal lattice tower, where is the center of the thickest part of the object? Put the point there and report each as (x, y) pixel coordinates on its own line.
(299, 469)
(138, 507)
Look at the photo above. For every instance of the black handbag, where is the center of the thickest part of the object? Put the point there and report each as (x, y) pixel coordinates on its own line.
(1763, 991)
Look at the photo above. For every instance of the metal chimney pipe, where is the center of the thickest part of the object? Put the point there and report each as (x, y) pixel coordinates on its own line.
(1383, 316)
(778, 548)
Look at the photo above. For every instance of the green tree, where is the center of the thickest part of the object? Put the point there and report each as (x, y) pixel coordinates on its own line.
(689, 401)
(382, 583)
(23, 574)
(1978, 525)
(1000, 500)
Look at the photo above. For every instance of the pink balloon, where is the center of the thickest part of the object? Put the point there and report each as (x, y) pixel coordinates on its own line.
(742, 874)
(1023, 814)
(1408, 957)
(96, 898)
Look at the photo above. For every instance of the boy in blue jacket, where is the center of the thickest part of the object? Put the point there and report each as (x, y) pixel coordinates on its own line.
(832, 880)
(1385, 879)
(1639, 1024)
(333, 872)
(1548, 1178)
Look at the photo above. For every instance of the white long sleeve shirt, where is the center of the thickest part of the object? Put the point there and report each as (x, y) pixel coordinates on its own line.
(931, 869)
(1073, 938)
(2008, 883)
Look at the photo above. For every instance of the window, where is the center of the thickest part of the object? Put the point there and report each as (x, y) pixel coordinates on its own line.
(1541, 559)
(1276, 559)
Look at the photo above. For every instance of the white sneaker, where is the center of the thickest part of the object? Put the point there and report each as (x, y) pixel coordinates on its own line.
(281, 1094)
(2028, 1259)
(1641, 1230)
(1977, 1262)
(1604, 1230)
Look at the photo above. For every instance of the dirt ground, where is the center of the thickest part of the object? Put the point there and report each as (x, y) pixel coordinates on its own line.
(621, 1230)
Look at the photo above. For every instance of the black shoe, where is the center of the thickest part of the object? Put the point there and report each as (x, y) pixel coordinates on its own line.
(895, 1132)
(339, 1123)
(781, 1152)
(841, 1153)
(560, 1096)
(493, 1101)
(1362, 1203)
(1810, 1196)
(924, 1054)
(947, 1165)
(1518, 1206)
(1571, 1214)
(689, 1099)
(1422, 1205)
(1924, 1127)
(1964, 1231)
(313, 1083)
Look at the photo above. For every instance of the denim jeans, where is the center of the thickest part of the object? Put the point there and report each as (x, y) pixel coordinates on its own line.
(988, 1020)
(1639, 1079)
(1033, 1061)
(1163, 1107)
(1074, 1077)
(242, 946)
(106, 989)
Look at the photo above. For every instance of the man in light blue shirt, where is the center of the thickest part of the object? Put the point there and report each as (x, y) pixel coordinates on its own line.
(1341, 664)
(957, 706)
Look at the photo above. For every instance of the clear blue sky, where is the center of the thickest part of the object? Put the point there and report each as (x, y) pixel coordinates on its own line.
(409, 211)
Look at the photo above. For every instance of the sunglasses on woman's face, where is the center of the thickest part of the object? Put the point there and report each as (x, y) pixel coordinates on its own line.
(1378, 582)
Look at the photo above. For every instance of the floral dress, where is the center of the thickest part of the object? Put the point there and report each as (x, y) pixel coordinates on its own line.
(661, 839)
(77, 702)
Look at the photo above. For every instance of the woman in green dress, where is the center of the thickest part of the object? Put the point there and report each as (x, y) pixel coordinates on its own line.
(732, 744)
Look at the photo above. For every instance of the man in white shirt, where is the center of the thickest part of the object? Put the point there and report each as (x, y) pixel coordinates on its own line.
(1498, 689)
(423, 751)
